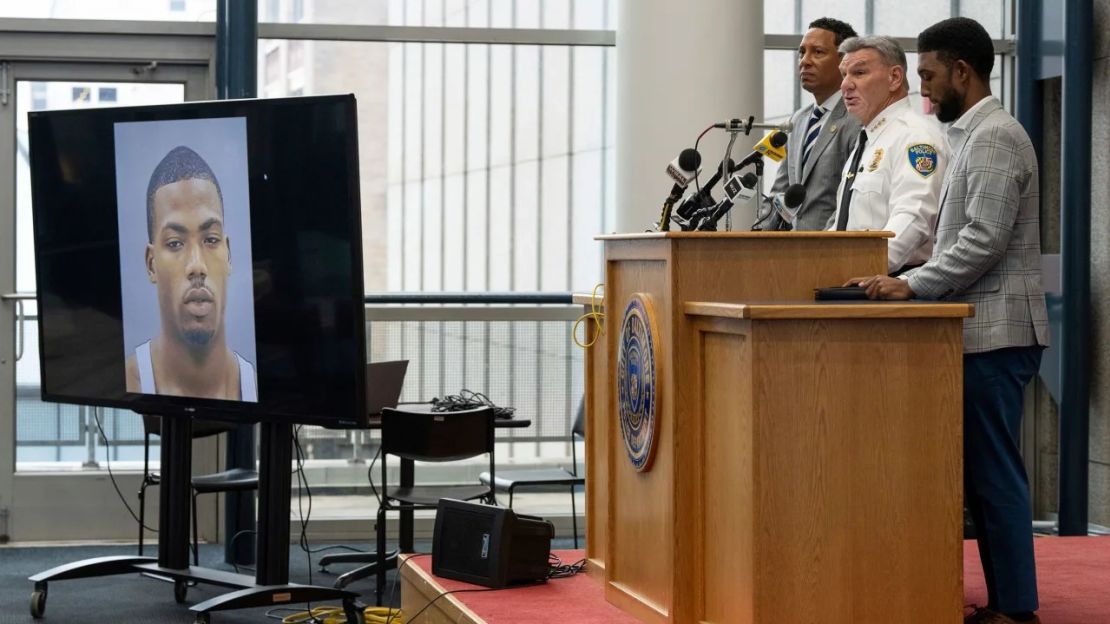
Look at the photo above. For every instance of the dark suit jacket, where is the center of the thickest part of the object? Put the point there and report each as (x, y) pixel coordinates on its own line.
(822, 171)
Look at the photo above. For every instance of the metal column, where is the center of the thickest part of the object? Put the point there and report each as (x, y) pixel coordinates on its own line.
(1075, 249)
(237, 77)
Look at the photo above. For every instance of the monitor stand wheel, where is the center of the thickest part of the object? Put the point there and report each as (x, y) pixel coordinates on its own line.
(180, 591)
(38, 602)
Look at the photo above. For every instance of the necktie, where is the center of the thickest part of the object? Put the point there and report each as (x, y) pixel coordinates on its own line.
(846, 196)
(812, 130)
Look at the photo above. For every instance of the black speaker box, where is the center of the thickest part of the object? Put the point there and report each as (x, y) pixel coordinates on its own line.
(489, 546)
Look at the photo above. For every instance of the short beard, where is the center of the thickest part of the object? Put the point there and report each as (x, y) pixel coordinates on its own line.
(198, 337)
(948, 109)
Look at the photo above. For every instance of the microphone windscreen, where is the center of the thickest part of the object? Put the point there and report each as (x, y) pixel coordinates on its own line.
(689, 159)
(794, 196)
(750, 180)
(778, 139)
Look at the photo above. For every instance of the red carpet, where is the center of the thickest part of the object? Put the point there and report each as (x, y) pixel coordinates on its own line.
(577, 599)
(1073, 577)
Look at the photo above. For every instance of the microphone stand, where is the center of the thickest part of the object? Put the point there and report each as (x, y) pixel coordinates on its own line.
(733, 132)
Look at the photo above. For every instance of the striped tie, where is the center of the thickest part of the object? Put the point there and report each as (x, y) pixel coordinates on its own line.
(812, 130)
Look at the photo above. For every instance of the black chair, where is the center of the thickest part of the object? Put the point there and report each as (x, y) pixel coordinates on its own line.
(429, 437)
(234, 480)
(547, 478)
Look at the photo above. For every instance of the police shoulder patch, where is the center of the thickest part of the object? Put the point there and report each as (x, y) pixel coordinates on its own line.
(923, 159)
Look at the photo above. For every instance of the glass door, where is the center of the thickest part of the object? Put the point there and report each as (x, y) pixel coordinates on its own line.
(54, 464)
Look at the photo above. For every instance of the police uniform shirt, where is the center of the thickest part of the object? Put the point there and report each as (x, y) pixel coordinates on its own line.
(896, 186)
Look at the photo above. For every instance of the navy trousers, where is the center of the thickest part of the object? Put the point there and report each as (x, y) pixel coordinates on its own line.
(996, 488)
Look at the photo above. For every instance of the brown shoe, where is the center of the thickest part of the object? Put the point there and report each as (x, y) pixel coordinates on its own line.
(982, 615)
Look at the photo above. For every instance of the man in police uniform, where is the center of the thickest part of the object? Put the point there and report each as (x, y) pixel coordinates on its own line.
(818, 148)
(892, 180)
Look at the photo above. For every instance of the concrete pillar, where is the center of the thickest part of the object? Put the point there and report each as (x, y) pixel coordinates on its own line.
(680, 67)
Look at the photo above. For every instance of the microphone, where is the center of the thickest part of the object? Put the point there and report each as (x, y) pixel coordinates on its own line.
(773, 146)
(739, 188)
(704, 198)
(786, 126)
(682, 170)
(737, 125)
(786, 203)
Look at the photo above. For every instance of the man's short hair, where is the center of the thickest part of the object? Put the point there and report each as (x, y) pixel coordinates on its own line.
(180, 164)
(890, 51)
(842, 30)
(960, 39)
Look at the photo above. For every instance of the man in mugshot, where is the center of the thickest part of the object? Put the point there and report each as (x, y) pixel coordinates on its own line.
(188, 259)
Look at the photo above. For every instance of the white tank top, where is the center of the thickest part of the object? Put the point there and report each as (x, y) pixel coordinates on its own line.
(248, 391)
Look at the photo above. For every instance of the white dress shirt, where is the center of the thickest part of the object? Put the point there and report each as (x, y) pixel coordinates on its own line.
(958, 132)
(897, 184)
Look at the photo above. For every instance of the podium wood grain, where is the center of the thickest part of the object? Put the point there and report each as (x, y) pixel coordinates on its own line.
(596, 361)
(753, 510)
(849, 505)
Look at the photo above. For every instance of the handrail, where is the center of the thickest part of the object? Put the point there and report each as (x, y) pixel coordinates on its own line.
(447, 297)
(556, 298)
(543, 298)
(19, 298)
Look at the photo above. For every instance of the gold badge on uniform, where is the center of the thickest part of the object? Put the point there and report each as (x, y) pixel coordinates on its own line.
(875, 160)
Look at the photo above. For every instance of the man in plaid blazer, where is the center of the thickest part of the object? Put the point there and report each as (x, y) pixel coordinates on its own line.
(987, 252)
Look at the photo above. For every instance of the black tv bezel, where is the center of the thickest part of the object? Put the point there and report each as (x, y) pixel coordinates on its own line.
(215, 409)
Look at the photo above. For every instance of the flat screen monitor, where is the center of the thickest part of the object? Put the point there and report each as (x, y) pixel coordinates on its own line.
(202, 259)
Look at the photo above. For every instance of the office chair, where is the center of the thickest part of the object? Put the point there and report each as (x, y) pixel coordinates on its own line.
(542, 478)
(429, 437)
(234, 480)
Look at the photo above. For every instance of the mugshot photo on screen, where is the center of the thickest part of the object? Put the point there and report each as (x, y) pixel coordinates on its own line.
(185, 258)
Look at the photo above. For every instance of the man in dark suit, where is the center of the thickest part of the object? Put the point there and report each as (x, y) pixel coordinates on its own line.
(987, 253)
(823, 132)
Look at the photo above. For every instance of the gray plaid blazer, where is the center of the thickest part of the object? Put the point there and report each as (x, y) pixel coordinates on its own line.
(987, 249)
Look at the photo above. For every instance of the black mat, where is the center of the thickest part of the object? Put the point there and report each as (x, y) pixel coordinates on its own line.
(134, 599)
(131, 598)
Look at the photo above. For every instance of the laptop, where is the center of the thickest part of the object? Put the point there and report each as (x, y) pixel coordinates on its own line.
(383, 384)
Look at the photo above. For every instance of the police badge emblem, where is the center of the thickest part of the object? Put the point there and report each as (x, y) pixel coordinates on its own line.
(875, 160)
(923, 159)
(637, 375)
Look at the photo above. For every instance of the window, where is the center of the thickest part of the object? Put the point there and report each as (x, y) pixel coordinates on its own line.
(297, 10)
(273, 67)
(273, 10)
(296, 55)
(38, 96)
(51, 436)
(114, 10)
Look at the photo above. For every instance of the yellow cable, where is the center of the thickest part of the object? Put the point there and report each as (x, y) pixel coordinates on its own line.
(335, 615)
(596, 315)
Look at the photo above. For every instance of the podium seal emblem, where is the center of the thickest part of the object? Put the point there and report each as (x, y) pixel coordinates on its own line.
(637, 376)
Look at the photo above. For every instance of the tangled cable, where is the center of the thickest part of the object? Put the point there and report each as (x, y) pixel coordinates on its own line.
(466, 400)
(594, 319)
(556, 569)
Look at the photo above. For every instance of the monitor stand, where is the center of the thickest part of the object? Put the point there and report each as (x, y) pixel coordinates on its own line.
(269, 587)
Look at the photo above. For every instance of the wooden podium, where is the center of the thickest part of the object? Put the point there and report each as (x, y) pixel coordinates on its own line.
(807, 464)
